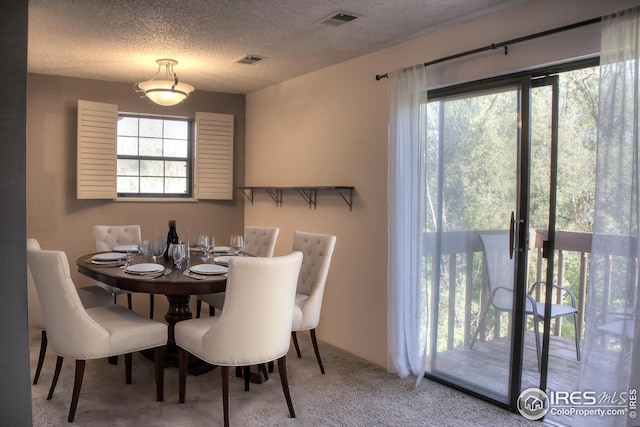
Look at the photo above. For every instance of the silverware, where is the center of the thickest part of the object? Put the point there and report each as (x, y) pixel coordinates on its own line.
(188, 273)
(164, 273)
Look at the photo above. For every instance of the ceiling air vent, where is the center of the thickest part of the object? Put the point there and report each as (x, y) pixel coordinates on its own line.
(337, 19)
(249, 59)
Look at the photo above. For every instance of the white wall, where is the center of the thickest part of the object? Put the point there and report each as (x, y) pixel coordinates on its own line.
(330, 128)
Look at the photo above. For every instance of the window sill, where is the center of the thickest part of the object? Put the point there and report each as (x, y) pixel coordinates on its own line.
(156, 199)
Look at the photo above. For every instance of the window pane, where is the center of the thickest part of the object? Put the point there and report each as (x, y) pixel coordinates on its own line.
(128, 168)
(176, 169)
(151, 127)
(128, 184)
(152, 168)
(128, 126)
(151, 147)
(176, 129)
(127, 146)
(176, 185)
(145, 141)
(175, 148)
(151, 185)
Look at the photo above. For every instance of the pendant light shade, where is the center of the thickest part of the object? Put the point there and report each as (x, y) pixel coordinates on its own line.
(167, 91)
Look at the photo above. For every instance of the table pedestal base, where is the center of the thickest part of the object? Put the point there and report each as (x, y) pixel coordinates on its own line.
(179, 311)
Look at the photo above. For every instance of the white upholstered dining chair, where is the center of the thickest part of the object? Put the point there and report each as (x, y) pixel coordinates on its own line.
(93, 333)
(90, 296)
(317, 250)
(254, 327)
(259, 242)
(108, 237)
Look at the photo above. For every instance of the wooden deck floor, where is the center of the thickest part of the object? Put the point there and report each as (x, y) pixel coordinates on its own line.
(487, 365)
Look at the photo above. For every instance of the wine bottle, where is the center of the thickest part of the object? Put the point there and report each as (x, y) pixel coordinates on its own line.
(172, 237)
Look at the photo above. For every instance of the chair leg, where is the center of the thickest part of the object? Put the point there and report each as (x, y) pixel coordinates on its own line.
(270, 366)
(575, 323)
(183, 359)
(77, 385)
(43, 352)
(158, 358)
(113, 360)
(127, 367)
(481, 324)
(282, 368)
(536, 328)
(212, 311)
(246, 373)
(198, 307)
(315, 348)
(225, 393)
(263, 369)
(129, 301)
(151, 304)
(56, 374)
(295, 343)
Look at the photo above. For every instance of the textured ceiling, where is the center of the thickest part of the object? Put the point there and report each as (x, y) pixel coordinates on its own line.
(120, 40)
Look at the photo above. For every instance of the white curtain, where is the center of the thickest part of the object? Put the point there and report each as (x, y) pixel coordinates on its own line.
(611, 356)
(407, 293)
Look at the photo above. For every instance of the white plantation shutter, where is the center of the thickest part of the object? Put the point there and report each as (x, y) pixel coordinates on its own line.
(214, 156)
(97, 151)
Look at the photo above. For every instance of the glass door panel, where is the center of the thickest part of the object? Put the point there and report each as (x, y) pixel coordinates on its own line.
(563, 141)
(473, 181)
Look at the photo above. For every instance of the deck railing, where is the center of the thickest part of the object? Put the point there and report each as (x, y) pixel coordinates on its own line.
(463, 291)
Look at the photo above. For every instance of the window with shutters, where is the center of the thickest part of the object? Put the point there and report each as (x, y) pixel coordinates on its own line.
(154, 156)
(125, 156)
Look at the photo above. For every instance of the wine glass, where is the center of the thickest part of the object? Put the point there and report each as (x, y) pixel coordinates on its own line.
(178, 253)
(157, 247)
(203, 244)
(144, 246)
(207, 244)
(237, 243)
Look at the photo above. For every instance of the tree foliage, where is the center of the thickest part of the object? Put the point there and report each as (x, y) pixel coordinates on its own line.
(472, 154)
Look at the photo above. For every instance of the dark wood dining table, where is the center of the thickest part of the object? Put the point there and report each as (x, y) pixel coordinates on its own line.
(177, 288)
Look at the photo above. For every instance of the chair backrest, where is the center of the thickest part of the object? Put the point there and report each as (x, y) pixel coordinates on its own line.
(36, 320)
(317, 250)
(71, 332)
(255, 325)
(260, 241)
(499, 268)
(110, 236)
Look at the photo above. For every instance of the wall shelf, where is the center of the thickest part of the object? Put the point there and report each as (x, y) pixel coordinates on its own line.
(309, 194)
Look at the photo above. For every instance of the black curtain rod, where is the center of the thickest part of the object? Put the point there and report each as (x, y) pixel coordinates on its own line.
(505, 45)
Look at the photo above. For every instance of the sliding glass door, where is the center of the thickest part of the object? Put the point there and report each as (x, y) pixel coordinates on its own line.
(493, 160)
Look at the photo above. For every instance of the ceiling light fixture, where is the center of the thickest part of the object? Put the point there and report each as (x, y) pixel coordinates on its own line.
(167, 91)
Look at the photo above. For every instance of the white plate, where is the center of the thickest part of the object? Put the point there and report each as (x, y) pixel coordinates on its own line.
(221, 249)
(222, 259)
(144, 268)
(209, 269)
(126, 248)
(108, 263)
(109, 256)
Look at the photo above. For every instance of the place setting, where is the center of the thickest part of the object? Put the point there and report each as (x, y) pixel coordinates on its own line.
(203, 271)
(227, 252)
(109, 259)
(147, 269)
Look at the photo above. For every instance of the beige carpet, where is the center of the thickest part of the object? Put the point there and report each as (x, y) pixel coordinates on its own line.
(353, 392)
